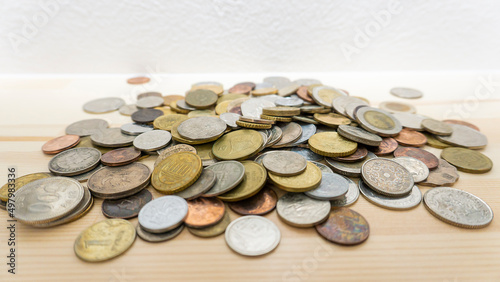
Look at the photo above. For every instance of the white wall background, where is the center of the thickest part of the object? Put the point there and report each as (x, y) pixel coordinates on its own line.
(127, 36)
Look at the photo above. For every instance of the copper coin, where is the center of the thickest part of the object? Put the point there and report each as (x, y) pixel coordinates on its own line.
(59, 144)
(236, 110)
(126, 207)
(444, 175)
(461, 122)
(203, 212)
(345, 227)
(171, 98)
(240, 88)
(259, 204)
(138, 80)
(360, 154)
(121, 156)
(146, 115)
(251, 84)
(149, 94)
(408, 137)
(426, 157)
(302, 93)
(387, 146)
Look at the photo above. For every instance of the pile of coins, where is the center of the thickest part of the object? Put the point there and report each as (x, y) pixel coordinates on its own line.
(289, 145)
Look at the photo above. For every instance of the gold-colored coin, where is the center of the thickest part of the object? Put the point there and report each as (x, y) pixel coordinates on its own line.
(282, 119)
(331, 144)
(264, 91)
(205, 153)
(180, 139)
(306, 181)
(166, 122)
(433, 142)
(20, 182)
(230, 97)
(253, 125)
(201, 113)
(165, 110)
(331, 119)
(254, 179)
(222, 107)
(238, 145)
(467, 160)
(105, 240)
(176, 172)
(215, 88)
(214, 230)
(325, 95)
(310, 89)
(173, 107)
(281, 111)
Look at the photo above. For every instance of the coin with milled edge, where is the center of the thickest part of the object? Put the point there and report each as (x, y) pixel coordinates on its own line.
(417, 168)
(409, 201)
(259, 204)
(299, 210)
(229, 174)
(349, 198)
(444, 174)
(406, 93)
(152, 140)
(158, 237)
(176, 172)
(359, 135)
(333, 186)
(86, 127)
(163, 214)
(201, 128)
(349, 169)
(378, 121)
(172, 150)
(331, 144)
(464, 136)
(307, 180)
(213, 230)
(253, 125)
(74, 161)
(429, 159)
(127, 207)
(238, 145)
(206, 181)
(252, 235)
(254, 179)
(345, 227)
(467, 160)
(103, 105)
(135, 128)
(119, 182)
(284, 163)
(121, 156)
(112, 137)
(387, 177)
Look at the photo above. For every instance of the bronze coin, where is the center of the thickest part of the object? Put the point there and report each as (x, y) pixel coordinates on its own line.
(121, 156)
(203, 212)
(461, 122)
(408, 137)
(148, 94)
(138, 80)
(236, 110)
(259, 204)
(119, 182)
(302, 93)
(444, 175)
(146, 115)
(59, 144)
(126, 207)
(360, 154)
(426, 157)
(241, 88)
(387, 146)
(345, 227)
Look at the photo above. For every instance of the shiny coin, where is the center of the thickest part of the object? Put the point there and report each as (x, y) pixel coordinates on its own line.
(406, 93)
(437, 127)
(229, 174)
(20, 182)
(461, 122)
(359, 155)
(299, 210)
(103, 105)
(305, 119)
(135, 128)
(201, 98)
(59, 144)
(284, 163)
(409, 201)
(422, 155)
(387, 177)
(230, 119)
(252, 235)
(146, 115)
(275, 136)
(345, 227)
(324, 95)
(112, 137)
(412, 138)
(458, 207)
(289, 102)
(290, 134)
(149, 102)
(444, 174)
(127, 207)
(86, 127)
(324, 168)
(467, 160)
(163, 214)
(176, 172)
(74, 161)
(259, 204)
(359, 135)
(206, 181)
(307, 154)
(152, 140)
(254, 179)
(378, 121)
(349, 198)
(213, 230)
(417, 168)
(349, 169)
(138, 80)
(158, 237)
(119, 182)
(307, 180)
(397, 107)
(340, 103)
(167, 121)
(331, 144)
(253, 107)
(331, 119)
(351, 109)
(464, 136)
(238, 145)
(163, 154)
(387, 146)
(203, 212)
(333, 186)
(201, 128)
(121, 156)
(410, 121)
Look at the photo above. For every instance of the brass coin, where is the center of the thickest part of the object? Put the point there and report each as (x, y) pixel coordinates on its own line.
(214, 230)
(397, 107)
(20, 182)
(256, 120)
(166, 122)
(121, 156)
(259, 204)
(290, 134)
(105, 240)
(324, 95)
(201, 98)
(308, 180)
(437, 127)
(175, 108)
(378, 121)
(168, 99)
(313, 109)
(408, 137)
(138, 80)
(176, 172)
(426, 157)
(119, 182)
(172, 150)
(231, 97)
(264, 91)
(217, 89)
(433, 142)
(467, 160)
(274, 118)
(331, 144)
(204, 212)
(128, 207)
(444, 174)
(387, 146)
(281, 111)
(205, 153)
(253, 181)
(331, 119)
(166, 110)
(237, 145)
(201, 113)
(59, 144)
(253, 125)
(221, 108)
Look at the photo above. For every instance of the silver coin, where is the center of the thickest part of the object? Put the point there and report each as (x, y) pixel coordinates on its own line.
(152, 140)
(163, 214)
(306, 81)
(103, 105)
(158, 237)
(417, 168)
(289, 90)
(308, 130)
(378, 121)
(47, 199)
(229, 174)
(352, 108)
(350, 198)
(148, 94)
(253, 107)
(407, 93)
(135, 128)
(299, 210)
(207, 83)
(401, 203)
(182, 104)
(305, 119)
(206, 181)
(464, 136)
(289, 102)
(86, 127)
(86, 175)
(271, 98)
(252, 235)
(397, 107)
(340, 103)
(359, 135)
(308, 154)
(263, 85)
(349, 169)
(201, 128)
(259, 158)
(149, 102)
(128, 110)
(285, 163)
(276, 134)
(112, 137)
(230, 119)
(332, 186)
(75, 161)
(320, 100)
(387, 177)
(458, 207)
(324, 168)
(411, 121)
(277, 81)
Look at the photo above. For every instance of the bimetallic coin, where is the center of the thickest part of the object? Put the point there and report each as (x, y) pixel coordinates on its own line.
(457, 207)
(378, 121)
(437, 127)
(135, 128)
(345, 227)
(229, 174)
(163, 214)
(206, 181)
(152, 140)
(121, 156)
(307, 180)
(201, 128)
(86, 127)
(333, 186)
(464, 136)
(59, 144)
(149, 102)
(74, 161)
(417, 168)
(422, 155)
(395, 107)
(111, 137)
(127, 207)
(10, 187)
(252, 235)
(204, 212)
(119, 182)
(444, 174)
(467, 160)
(237, 145)
(158, 237)
(299, 210)
(176, 172)
(406, 93)
(254, 179)
(387, 177)
(387, 146)
(401, 203)
(259, 204)
(213, 230)
(359, 135)
(331, 144)
(103, 105)
(349, 169)
(284, 163)
(349, 198)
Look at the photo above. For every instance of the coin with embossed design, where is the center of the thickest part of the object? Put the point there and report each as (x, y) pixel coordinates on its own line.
(299, 210)
(201, 128)
(127, 207)
(86, 127)
(121, 156)
(176, 172)
(203, 212)
(429, 159)
(378, 121)
(444, 174)
(252, 235)
(417, 168)
(74, 161)
(409, 201)
(331, 144)
(119, 182)
(163, 154)
(152, 140)
(349, 198)
(163, 214)
(229, 174)
(237, 145)
(387, 177)
(206, 181)
(307, 180)
(345, 227)
(332, 186)
(284, 163)
(254, 179)
(467, 160)
(19, 182)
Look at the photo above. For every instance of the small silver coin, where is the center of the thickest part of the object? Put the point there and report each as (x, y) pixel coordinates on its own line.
(350, 198)
(230, 119)
(75, 161)
(206, 181)
(163, 214)
(112, 137)
(149, 102)
(409, 201)
(387, 177)
(406, 93)
(324, 168)
(284, 163)
(252, 235)
(308, 130)
(277, 81)
(135, 128)
(128, 110)
(417, 168)
(103, 105)
(253, 107)
(464, 136)
(86, 127)
(308, 154)
(152, 140)
(158, 237)
(332, 186)
(411, 121)
(289, 102)
(201, 128)
(229, 174)
(182, 104)
(359, 135)
(299, 210)
(349, 169)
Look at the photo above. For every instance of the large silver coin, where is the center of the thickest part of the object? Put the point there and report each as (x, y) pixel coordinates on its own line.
(112, 137)
(458, 207)
(359, 135)
(252, 235)
(349, 169)
(230, 119)
(387, 177)
(135, 128)
(158, 237)
(284, 163)
(403, 203)
(149, 102)
(464, 136)
(128, 110)
(152, 140)
(75, 161)
(308, 130)
(47, 199)
(350, 198)
(163, 214)
(86, 127)
(206, 181)
(299, 210)
(378, 121)
(289, 102)
(332, 186)
(417, 168)
(229, 174)
(201, 128)
(103, 105)
(340, 103)
(324, 168)
(411, 121)
(260, 157)
(406, 93)
(253, 107)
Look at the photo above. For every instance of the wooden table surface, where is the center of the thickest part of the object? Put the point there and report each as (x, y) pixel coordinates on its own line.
(403, 245)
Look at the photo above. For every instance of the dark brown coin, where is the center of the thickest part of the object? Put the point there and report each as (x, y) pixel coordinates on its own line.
(121, 156)
(241, 88)
(59, 144)
(345, 227)
(146, 115)
(360, 154)
(302, 93)
(262, 203)
(138, 80)
(126, 207)
(387, 146)
(461, 122)
(203, 212)
(426, 157)
(408, 137)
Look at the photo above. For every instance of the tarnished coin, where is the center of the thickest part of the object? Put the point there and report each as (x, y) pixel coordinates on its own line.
(457, 207)
(74, 161)
(464, 136)
(307, 154)
(59, 144)
(289, 101)
(206, 181)
(203, 212)
(324, 168)
(461, 122)
(86, 127)
(349, 198)
(395, 107)
(444, 174)
(86, 142)
(121, 156)
(324, 95)
(138, 80)
(163, 154)
(284, 163)
(238, 145)
(158, 237)
(253, 107)
(119, 182)
(331, 119)
(105, 240)
(135, 128)
(166, 122)
(254, 179)
(163, 214)
(213, 230)
(437, 127)
(146, 115)
(252, 235)
(201, 98)
(387, 177)
(259, 204)
(103, 105)
(201, 128)
(149, 102)
(417, 168)
(307, 180)
(176, 172)
(230, 119)
(314, 109)
(378, 121)
(406, 93)
(291, 132)
(387, 146)
(127, 207)
(409, 201)
(467, 160)
(345, 227)
(299, 210)
(349, 169)
(48, 199)
(19, 182)
(205, 153)
(331, 144)
(412, 138)
(111, 137)
(359, 155)
(359, 135)
(333, 186)
(229, 174)
(422, 155)
(152, 140)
